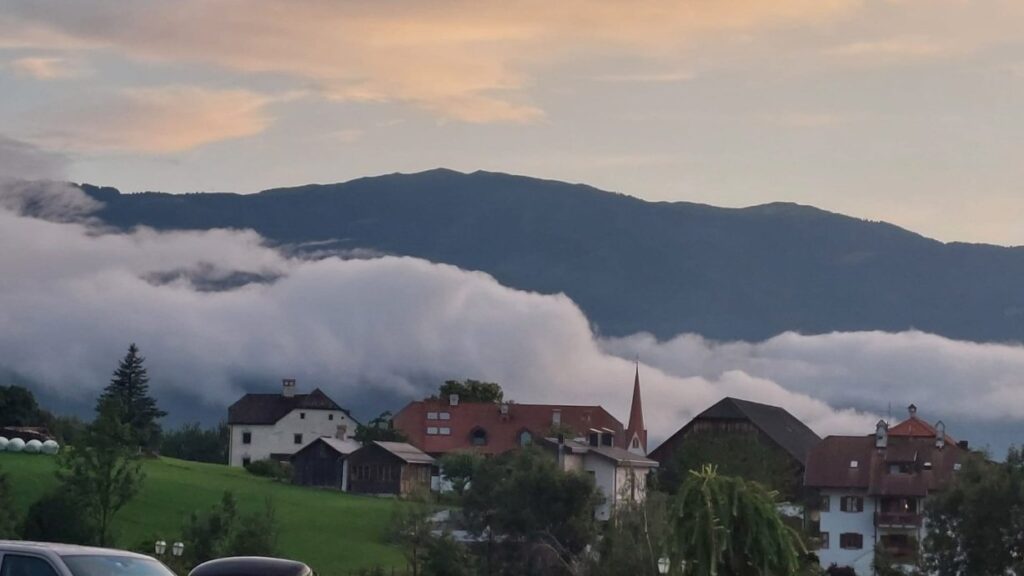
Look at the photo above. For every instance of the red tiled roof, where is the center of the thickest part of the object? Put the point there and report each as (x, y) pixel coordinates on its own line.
(502, 431)
(913, 427)
(932, 468)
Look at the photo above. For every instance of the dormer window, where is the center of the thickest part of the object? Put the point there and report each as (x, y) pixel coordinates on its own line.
(525, 438)
(478, 437)
(302, 415)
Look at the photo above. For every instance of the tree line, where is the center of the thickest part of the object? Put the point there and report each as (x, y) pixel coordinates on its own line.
(100, 470)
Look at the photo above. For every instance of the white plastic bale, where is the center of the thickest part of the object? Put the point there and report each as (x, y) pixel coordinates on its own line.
(50, 447)
(33, 447)
(3, 443)
(16, 445)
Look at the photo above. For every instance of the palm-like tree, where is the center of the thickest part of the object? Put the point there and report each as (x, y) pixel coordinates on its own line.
(728, 526)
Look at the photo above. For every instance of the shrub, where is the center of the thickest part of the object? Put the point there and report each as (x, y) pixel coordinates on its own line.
(58, 517)
(271, 469)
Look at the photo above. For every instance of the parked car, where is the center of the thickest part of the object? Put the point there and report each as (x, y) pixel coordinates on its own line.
(250, 566)
(45, 559)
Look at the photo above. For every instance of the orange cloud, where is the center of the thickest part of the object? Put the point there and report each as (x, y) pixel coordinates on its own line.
(44, 68)
(155, 120)
(460, 60)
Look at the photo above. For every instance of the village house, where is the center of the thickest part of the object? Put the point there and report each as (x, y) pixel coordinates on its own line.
(389, 468)
(873, 490)
(442, 425)
(620, 475)
(275, 426)
(771, 428)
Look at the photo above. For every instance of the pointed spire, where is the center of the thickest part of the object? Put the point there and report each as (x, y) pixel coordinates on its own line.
(636, 429)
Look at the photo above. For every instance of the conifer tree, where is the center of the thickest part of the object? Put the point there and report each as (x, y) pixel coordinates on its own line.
(129, 387)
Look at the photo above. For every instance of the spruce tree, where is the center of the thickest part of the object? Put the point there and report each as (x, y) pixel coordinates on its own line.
(129, 388)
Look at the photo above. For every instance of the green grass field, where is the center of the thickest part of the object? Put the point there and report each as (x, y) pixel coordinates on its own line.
(335, 533)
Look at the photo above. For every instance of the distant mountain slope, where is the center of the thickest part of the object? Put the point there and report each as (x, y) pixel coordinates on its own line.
(634, 265)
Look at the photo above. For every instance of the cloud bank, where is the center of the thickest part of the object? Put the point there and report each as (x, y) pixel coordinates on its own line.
(378, 331)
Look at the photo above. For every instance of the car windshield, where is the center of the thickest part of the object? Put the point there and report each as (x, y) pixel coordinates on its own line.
(111, 565)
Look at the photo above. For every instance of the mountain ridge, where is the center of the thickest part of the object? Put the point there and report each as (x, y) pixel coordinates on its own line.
(634, 265)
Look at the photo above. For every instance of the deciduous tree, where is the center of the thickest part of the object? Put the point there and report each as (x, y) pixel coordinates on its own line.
(730, 526)
(102, 472)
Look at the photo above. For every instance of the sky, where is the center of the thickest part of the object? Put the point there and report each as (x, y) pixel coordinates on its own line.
(906, 111)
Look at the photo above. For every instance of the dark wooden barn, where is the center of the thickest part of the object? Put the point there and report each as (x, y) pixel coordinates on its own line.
(389, 468)
(322, 463)
(779, 440)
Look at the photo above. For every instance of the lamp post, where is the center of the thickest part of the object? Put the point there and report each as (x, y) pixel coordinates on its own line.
(177, 549)
(160, 547)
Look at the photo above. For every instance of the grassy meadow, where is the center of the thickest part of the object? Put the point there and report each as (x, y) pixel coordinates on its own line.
(333, 532)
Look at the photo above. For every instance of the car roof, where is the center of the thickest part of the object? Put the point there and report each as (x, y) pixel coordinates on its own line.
(248, 565)
(63, 549)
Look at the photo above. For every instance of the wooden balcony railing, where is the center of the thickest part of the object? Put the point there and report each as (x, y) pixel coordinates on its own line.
(897, 519)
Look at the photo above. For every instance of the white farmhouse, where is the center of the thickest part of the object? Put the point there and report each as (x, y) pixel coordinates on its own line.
(873, 490)
(275, 426)
(620, 475)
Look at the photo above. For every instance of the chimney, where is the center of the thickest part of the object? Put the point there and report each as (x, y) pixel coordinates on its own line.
(881, 434)
(504, 409)
(288, 387)
(912, 410)
(940, 435)
(453, 399)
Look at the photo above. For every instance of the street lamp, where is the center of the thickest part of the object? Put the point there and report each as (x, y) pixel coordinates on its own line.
(160, 547)
(177, 549)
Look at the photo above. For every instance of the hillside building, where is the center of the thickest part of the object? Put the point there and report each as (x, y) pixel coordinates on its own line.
(275, 426)
(770, 429)
(873, 490)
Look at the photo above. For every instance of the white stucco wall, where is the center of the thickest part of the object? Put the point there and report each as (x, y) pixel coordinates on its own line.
(280, 438)
(605, 477)
(837, 522)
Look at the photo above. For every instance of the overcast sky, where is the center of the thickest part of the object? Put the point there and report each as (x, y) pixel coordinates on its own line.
(906, 110)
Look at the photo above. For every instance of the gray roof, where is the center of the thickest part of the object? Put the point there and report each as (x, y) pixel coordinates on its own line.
(260, 409)
(784, 429)
(613, 453)
(343, 447)
(406, 452)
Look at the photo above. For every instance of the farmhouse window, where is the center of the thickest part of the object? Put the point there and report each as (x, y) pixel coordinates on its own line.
(444, 431)
(246, 437)
(298, 438)
(826, 504)
(445, 415)
(478, 437)
(851, 504)
(302, 415)
(432, 431)
(330, 416)
(851, 541)
(823, 541)
(246, 461)
(431, 415)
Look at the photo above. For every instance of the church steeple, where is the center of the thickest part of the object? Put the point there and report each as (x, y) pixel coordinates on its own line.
(636, 432)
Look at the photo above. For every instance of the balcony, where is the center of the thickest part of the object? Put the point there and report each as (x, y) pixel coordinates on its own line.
(901, 554)
(897, 519)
